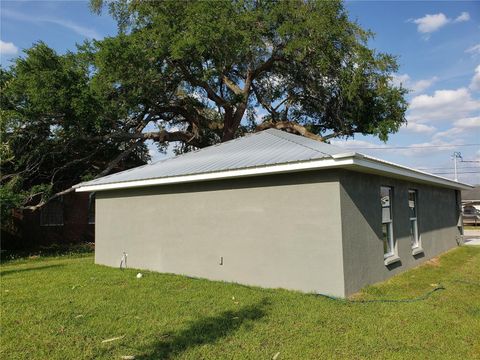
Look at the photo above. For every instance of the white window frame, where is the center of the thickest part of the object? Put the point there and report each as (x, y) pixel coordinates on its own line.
(414, 219)
(389, 223)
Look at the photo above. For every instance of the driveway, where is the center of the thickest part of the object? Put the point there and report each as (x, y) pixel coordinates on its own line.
(471, 237)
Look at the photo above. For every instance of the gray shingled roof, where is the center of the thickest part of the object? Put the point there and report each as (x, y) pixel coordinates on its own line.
(268, 147)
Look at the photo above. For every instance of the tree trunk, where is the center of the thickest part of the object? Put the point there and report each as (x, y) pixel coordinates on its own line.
(228, 126)
(232, 122)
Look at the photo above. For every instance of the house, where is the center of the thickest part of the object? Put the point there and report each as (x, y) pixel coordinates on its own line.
(65, 220)
(471, 206)
(275, 209)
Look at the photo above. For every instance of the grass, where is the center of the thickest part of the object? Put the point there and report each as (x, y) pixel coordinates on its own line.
(471, 227)
(64, 307)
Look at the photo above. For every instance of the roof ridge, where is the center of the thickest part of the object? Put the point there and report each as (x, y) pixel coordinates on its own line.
(297, 143)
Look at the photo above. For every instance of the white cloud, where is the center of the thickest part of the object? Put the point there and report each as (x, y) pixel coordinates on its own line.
(419, 128)
(468, 123)
(385, 150)
(449, 134)
(464, 16)
(424, 84)
(431, 22)
(7, 48)
(474, 50)
(401, 79)
(475, 83)
(460, 128)
(429, 147)
(81, 30)
(442, 105)
(416, 86)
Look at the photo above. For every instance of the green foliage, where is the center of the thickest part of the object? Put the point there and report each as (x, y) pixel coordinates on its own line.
(9, 199)
(50, 118)
(191, 74)
(75, 305)
(302, 61)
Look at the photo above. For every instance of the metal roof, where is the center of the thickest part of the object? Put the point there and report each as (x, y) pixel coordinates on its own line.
(266, 152)
(267, 147)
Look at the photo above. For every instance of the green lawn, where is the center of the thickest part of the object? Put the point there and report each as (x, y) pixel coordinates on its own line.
(64, 307)
(471, 227)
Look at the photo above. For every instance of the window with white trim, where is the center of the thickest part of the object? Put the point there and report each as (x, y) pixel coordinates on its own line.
(51, 214)
(412, 210)
(386, 193)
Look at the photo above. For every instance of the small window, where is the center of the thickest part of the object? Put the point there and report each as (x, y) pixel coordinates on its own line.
(51, 214)
(412, 208)
(387, 221)
(91, 208)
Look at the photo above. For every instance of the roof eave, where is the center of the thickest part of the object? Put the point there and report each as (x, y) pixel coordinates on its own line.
(350, 160)
(226, 174)
(403, 172)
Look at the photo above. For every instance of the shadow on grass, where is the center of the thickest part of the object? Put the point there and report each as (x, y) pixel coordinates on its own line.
(205, 331)
(33, 268)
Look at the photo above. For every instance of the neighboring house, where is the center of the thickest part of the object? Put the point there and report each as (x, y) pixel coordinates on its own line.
(471, 206)
(276, 210)
(65, 220)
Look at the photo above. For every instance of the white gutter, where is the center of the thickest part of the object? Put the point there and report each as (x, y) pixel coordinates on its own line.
(389, 168)
(349, 160)
(227, 174)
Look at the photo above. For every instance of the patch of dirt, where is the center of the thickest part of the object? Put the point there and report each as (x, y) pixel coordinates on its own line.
(356, 296)
(433, 261)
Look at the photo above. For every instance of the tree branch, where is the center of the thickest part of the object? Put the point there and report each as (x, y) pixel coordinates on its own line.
(119, 158)
(231, 85)
(267, 65)
(160, 136)
(290, 126)
(157, 136)
(212, 95)
(42, 203)
(267, 106)
(337, 134)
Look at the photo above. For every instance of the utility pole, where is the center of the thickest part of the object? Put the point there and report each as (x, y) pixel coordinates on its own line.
(456, 155)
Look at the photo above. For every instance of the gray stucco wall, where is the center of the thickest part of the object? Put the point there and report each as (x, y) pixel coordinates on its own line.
(361, 226)
(272, 231)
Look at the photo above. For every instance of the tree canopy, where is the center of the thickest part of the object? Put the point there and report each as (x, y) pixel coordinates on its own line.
(51, 129)
(191, 73)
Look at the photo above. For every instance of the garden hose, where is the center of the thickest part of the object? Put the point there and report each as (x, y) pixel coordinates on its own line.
(419, 298)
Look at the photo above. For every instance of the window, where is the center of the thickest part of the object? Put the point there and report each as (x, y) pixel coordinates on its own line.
(52, 213)
(91, 208)
(387, 220)
(412, 206)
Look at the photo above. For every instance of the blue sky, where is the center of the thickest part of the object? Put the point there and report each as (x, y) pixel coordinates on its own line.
(437, 44)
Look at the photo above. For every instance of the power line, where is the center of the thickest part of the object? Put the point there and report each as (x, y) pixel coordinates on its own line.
(449, 167)
(458, 172)
(411, 147)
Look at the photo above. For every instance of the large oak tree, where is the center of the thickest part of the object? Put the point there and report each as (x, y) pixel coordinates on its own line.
(191, 73)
